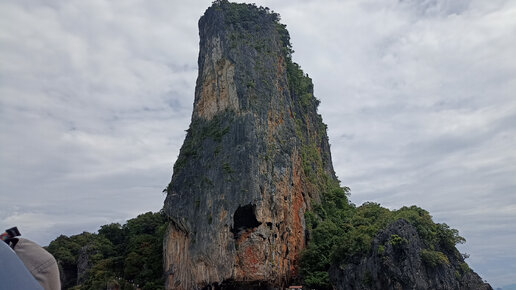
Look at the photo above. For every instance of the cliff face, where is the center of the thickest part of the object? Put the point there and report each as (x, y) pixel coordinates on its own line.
(252, 161)
(256, 161)
(400, 260)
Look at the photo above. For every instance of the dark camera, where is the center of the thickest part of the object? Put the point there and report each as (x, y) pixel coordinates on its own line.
(12, 233)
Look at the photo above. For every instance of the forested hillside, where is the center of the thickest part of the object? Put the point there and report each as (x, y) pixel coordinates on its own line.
(125, 256)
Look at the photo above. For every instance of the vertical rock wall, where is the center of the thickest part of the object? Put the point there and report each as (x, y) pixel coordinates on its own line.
(253, 159)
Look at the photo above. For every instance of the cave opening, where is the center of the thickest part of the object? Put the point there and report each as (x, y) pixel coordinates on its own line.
(244, 219)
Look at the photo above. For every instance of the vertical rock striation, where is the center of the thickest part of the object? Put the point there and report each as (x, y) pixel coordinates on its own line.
(401, 265)
(254, 158)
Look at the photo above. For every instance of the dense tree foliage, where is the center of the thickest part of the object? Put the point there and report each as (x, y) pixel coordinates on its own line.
(128, 256)
(341, 233)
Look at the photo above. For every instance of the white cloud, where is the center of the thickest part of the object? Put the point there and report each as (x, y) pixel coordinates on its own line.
(95, 98)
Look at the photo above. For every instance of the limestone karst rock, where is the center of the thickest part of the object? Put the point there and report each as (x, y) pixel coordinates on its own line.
(252, 160)
(256, 161)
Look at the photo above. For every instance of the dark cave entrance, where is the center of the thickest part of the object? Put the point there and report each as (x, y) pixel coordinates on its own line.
(244, 219)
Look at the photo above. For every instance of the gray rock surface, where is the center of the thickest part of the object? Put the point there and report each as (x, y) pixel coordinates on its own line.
(255, 158)
(84, 262)
(400, 266)
(241, 183)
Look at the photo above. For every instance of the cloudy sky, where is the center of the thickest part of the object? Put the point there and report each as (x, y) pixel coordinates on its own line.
(419, 97)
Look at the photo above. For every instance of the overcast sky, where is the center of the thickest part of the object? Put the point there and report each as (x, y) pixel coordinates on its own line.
(419, 97)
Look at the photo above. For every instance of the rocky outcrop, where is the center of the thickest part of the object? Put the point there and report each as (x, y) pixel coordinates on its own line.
(255, 159)
(84, 262)
(400, 260)
(252, 160)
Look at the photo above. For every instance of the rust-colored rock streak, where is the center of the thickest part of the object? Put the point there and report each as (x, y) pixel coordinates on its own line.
(217, 91)
(175, 245)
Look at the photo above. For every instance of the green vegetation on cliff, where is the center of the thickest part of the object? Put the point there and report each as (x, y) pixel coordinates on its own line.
(125, 256)
(340, 232)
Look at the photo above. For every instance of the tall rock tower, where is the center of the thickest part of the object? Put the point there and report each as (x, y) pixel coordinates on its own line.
(254, 159)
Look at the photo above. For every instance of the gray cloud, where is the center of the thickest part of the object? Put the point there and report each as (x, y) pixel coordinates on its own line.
(95, 99)
(418, 96)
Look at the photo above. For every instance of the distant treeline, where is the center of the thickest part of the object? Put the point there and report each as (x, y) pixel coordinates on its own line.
(125, 256)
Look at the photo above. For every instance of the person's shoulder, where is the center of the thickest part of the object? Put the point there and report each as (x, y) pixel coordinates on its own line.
(41, 264)
(35, 257)
(13, 273)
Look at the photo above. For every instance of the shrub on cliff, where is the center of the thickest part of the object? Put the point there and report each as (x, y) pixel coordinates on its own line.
(434, 258)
